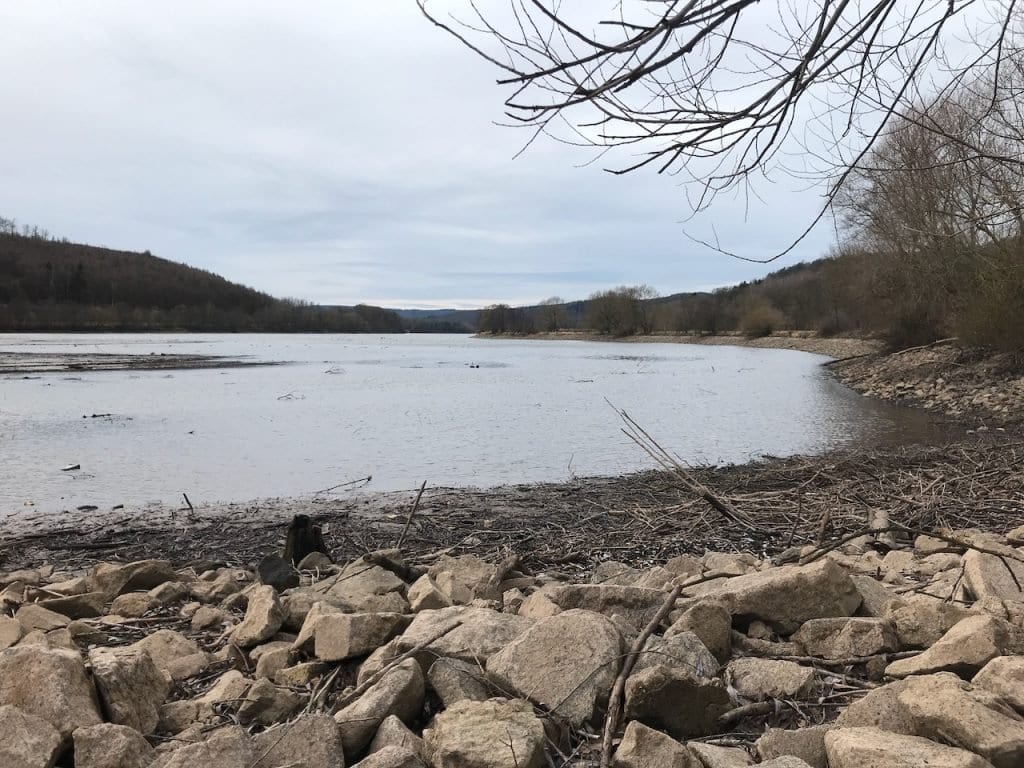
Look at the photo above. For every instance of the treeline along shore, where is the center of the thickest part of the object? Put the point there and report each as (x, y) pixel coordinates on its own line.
(50, 284)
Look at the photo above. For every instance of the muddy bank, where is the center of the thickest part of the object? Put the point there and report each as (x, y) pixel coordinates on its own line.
(802, 341)
(639, 519)
(24, 363)
(968, 385)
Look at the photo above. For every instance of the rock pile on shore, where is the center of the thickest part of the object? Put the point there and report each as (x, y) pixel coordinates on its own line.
(837, 659)
(943, 378)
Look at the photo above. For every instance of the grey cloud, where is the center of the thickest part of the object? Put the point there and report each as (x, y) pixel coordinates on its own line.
(338, 152)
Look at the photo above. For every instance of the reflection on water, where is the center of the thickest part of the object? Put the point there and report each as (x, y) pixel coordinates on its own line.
(451, 410)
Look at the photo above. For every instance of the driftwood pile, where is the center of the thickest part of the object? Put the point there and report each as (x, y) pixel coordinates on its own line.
(640, 519)
(844, 658)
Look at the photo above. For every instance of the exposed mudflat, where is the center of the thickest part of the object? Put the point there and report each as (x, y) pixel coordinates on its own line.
(68, 362)
(639, 519)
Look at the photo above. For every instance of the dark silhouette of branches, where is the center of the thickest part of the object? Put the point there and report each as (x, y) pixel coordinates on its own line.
(723, 91)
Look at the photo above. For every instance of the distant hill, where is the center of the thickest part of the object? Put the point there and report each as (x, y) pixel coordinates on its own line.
(51, 285)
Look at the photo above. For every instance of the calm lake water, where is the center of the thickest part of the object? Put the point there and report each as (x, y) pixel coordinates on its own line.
(451, 410)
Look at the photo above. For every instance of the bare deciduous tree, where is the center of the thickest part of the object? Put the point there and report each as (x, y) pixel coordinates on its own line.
(719, 90)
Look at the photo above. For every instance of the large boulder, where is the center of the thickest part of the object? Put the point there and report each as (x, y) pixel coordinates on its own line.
(424, 595)
(394, 733)
(921, 620)
(967, 647)
(942, 707)
(454, 680)
(486, 734)
(481, 633)
(712, 756)
(710, 621)
(266, 704)
(635, 605)
(10, 632)
(173, 653)
(27, 741)
(991, 576)
(1004, 677)
(759, 679)
(676, 701)
(806, 744)
(33, 616)
(362, 587)
(399, 692)
(50, 684)
(682, 649)
(643, 747)
(111, 746)
(391, 757)
(263, 618)
(311, 740)
(227, 748)
(844, 638)
(340, 636)
(873, 748)
(130, 687)
(465, 578)
(566, 663)
(790, 595)
(113, 579)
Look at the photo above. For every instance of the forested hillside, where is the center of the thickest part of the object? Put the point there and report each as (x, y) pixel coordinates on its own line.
(51, 285)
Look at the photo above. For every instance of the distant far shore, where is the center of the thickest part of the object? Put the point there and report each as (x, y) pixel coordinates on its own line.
(803, 341)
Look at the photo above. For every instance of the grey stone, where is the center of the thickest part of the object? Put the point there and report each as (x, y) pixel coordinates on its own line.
(263, 618)
(791, 595)
(676, 701)
(455, 680)
(49, 684)
(27, 741)
(759, 679)
(392, 732)
(871, 747)
(844, 638)
(311, 740)
(266, 704)
(391, 757)
(682, 649)
(1004, 676)
(643, 747)
(111, 746)
(807, 744)
(274, 571)
(399, 692)
(710, 621)
(990, 576)
(340, 636)
(496, 733)
(566, 663)
(966, 648)
(130, 687)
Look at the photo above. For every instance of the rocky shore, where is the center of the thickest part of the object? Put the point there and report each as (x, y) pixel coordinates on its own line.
(845, 655)
(802, 341)
(960, 383)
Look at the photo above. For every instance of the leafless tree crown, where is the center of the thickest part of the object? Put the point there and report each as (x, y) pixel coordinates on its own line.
(722, 90)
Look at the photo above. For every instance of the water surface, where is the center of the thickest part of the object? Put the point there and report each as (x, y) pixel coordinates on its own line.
(452, 410)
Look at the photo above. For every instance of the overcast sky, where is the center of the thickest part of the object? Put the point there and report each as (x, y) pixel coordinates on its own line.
(339, 151)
